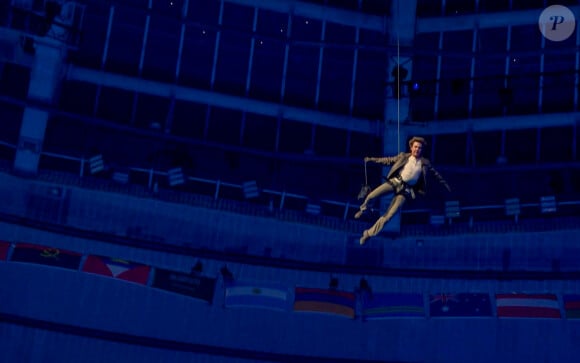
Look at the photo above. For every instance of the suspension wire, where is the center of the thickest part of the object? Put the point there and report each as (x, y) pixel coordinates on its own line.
(398, 82)
(398, 94)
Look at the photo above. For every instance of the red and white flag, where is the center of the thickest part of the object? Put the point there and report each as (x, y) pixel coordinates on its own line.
(527, 306)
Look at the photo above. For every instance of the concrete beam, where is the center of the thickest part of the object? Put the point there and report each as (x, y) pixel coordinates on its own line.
(380, 23)
(316, 117)
(11, 48)
(482, 21)
(319, 12)
(492, 124)
(221, 100)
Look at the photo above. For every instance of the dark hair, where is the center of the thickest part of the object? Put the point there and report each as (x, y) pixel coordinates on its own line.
(417, 139)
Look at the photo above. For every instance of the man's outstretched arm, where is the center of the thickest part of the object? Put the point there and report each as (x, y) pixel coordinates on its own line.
(386, 160)
(439, 177)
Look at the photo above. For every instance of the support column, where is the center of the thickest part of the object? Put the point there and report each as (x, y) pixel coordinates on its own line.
(401, 28)
(45, 77)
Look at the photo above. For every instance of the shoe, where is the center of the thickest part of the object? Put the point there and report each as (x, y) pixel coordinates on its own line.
(364, 238)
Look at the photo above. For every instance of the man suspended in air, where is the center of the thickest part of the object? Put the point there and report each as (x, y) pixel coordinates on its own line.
(407, 177)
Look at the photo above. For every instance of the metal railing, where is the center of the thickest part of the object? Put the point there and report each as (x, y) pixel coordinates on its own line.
(280, 201)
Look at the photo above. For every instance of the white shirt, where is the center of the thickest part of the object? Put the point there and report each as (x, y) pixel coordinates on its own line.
(411, 171)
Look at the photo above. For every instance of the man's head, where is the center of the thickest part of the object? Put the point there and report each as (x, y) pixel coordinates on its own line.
(416, 145)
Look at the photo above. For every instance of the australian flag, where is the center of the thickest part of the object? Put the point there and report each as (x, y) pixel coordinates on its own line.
(459, 305)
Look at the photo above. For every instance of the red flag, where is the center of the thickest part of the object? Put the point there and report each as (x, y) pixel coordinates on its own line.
(325, 301)
(527, 306)
(116, 268)
(4, 247)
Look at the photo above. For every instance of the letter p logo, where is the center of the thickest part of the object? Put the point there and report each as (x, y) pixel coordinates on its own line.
(558, 19)
(557, 23)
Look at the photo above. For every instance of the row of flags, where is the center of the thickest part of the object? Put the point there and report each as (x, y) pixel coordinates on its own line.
(196, 286)
(385, 305)
(274, 296)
